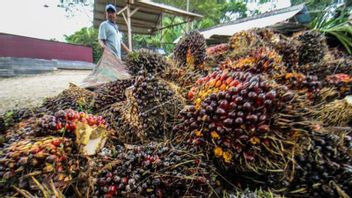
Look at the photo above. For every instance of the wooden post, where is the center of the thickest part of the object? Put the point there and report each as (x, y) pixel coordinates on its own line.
(188, 27)
(129, 26)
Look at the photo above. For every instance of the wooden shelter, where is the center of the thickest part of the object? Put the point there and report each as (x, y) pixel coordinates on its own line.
(139, 16)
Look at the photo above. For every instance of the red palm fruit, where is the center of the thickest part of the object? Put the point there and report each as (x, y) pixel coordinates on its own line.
(248, 156)
(124, 180)
(264, 128)
(234, 83)
(224, 76)
(56, 142)
(67, 127)
(218, 83)
(84, 120)
(58, 125)
(76, 116)
(82, 115)
(190, 95)
(70, 114)
(91, 121)
(229, 80)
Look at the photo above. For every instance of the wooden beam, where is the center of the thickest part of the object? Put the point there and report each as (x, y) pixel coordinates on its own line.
(102, 15)
(124, 17)
(121, 11)
(129, 26)
(134, 11)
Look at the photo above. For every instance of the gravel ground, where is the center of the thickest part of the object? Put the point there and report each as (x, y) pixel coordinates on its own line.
(29, 91)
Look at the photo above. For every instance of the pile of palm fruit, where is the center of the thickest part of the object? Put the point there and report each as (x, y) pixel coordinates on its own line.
(264, 115)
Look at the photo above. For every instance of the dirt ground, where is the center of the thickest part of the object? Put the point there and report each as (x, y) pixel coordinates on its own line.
(29, 91)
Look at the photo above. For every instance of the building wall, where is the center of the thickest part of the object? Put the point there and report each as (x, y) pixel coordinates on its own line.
(20, 46)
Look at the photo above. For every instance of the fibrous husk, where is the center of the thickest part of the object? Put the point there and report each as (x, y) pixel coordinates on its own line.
(336, 113)
(182, 77)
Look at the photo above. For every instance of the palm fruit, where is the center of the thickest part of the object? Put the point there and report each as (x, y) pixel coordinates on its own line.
(190, 50)
(258, 61)
(217, 49)
(216, 54)
(323, 168)
(110, 93)
(155, 171)
(146, 61)
(239, 126)
(289, 52)
(309, 85)
(44, 158)
(74, 97)
(322, 70)
(342, 83)
(312, 47)
(266, 35)
(242, 42)
(12, 117)
(182, 77)
(152, 105)
(88, 131)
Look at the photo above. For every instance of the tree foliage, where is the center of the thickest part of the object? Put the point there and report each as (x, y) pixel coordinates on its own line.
(214, 12)
(87, 37)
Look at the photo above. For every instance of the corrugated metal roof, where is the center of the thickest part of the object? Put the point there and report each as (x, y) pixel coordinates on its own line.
(258, 21)
(145, 21)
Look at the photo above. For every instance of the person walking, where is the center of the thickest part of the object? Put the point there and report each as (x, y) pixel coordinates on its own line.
(109, 35)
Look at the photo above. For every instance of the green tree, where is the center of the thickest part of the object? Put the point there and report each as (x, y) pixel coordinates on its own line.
(214, 12)
(87, 37)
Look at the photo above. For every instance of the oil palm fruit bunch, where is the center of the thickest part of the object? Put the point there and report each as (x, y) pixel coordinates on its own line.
(72, 98)
(153, 105)
(154, 171)
(324, 167)
(242, 42)
(182, 77)
(342, 83)
(312, 47)
(88, 131)
(191, 50)
(110, 93)
(13, 117)
(289, 53)
(324, 69)
(306, 84)
(266, 35)
(47, 157)
(147, 61)
(216, 54)
(238, 126)
(123, 119)
(66, 121)
(217, 49)
(258, 61)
